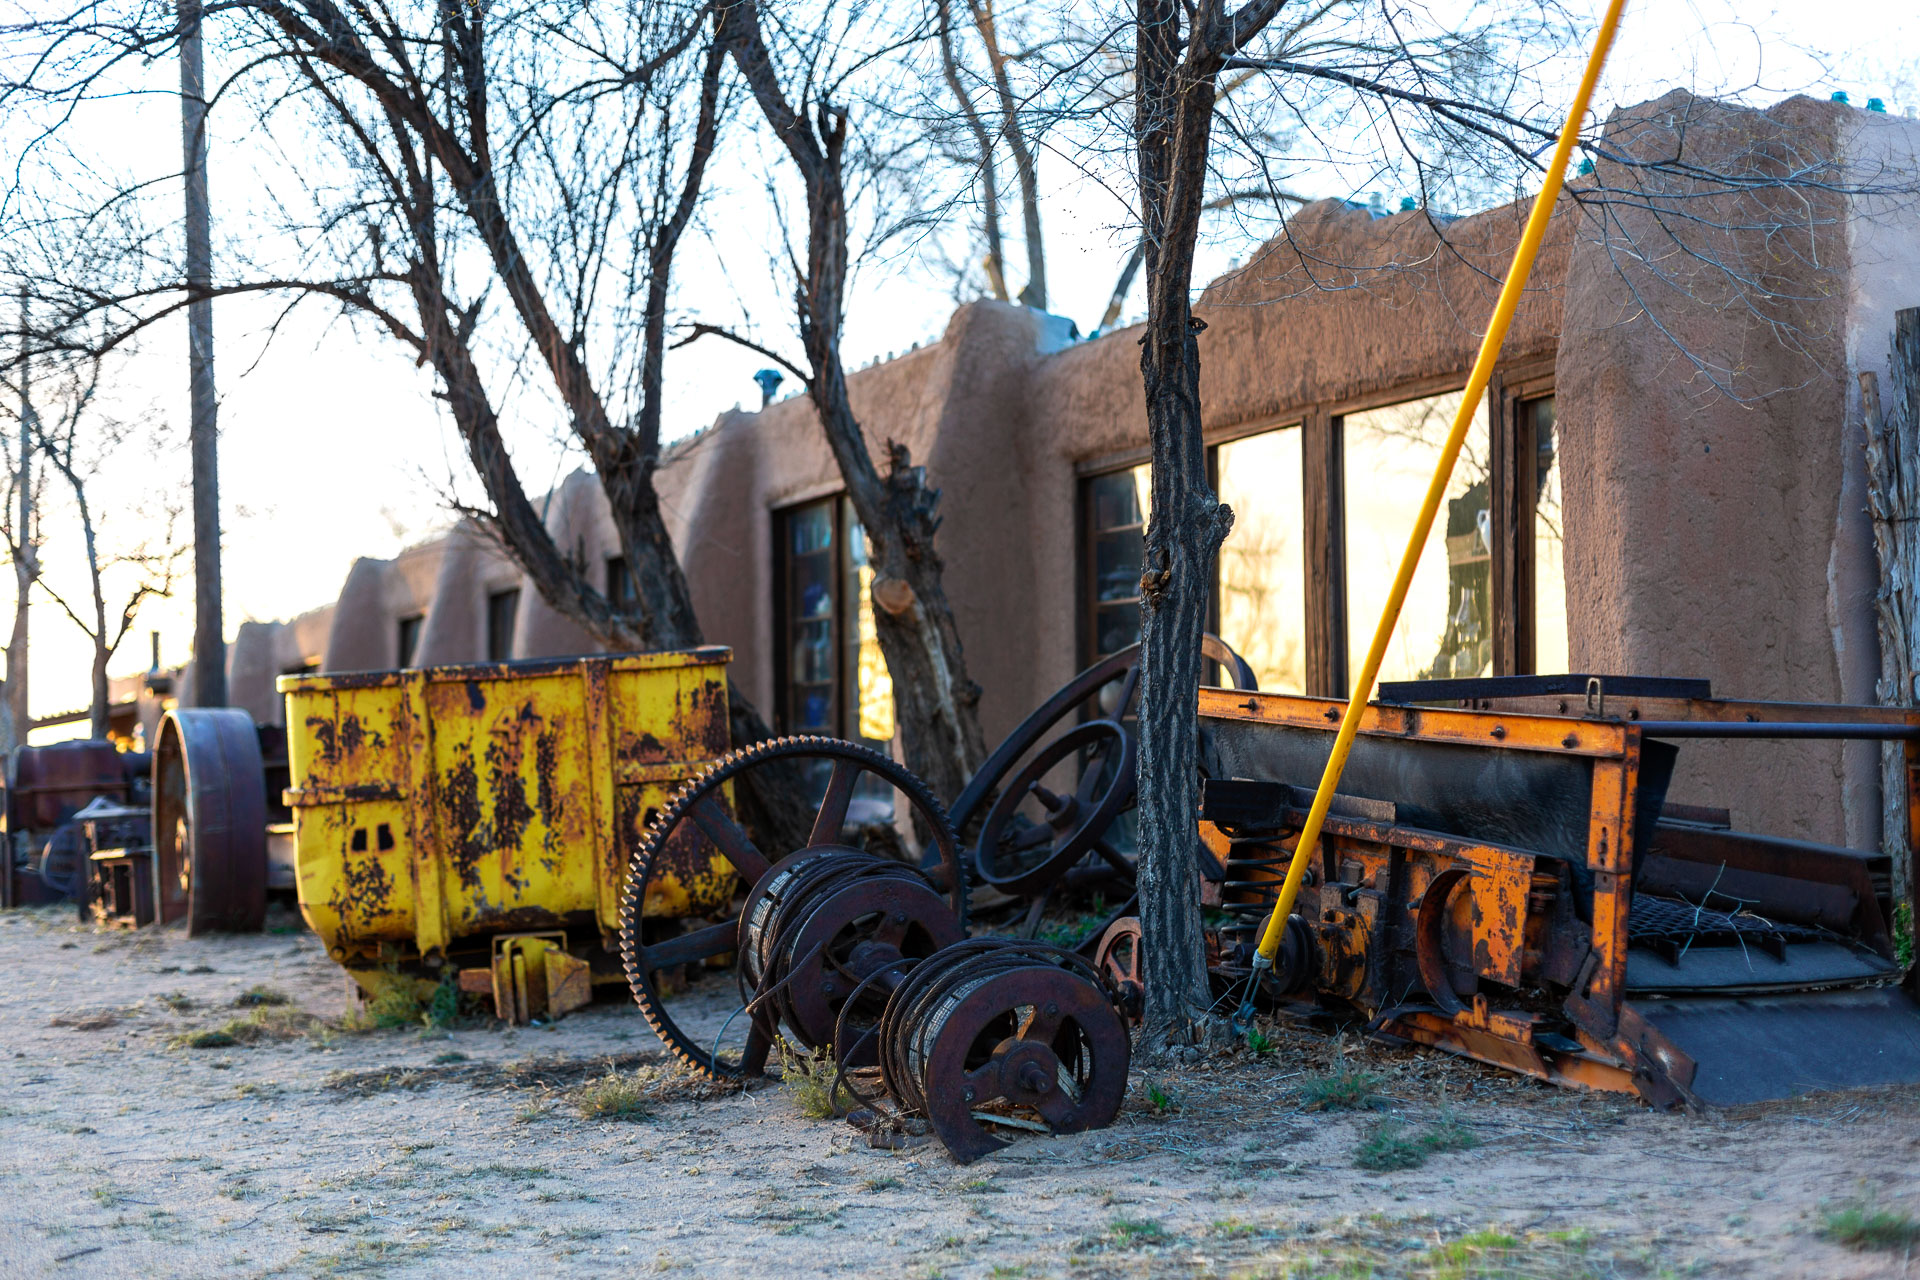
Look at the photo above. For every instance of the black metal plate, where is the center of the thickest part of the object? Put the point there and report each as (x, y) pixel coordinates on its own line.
(1760, 1047)
(1541, 686)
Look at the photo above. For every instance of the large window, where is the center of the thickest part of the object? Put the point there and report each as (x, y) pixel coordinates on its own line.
(1260, 599)
(833, 678)
(1445, 629)
(1322, 512)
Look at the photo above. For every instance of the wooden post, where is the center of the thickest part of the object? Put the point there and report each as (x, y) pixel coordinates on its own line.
(209, 635)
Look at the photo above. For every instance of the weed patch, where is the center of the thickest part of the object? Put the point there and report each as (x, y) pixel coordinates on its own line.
(260, 995)
(1392, 1145)
(1342, 1089)
(1135, 1233)
(807, 1080)
(1867, 1226)
(267, 1022)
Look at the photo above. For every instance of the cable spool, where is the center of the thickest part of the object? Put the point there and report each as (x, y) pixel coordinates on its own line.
(820, 925)
(1018, 1035)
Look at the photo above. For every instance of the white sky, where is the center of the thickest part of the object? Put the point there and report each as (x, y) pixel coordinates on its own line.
(332, 447)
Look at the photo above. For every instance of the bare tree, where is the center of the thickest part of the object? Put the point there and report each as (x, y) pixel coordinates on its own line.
(501, 192)
(935, 701)
(18, 524)
(77, 438)
(1179, 54)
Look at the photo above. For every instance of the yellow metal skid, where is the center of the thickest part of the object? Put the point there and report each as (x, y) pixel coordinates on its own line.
(435, 809)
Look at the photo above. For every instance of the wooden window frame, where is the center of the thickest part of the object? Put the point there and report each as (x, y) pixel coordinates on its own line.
(1087, 577)
(845, 616)
(1323, 488)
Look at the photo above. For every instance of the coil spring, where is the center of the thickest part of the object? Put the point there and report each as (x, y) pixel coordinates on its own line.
(771, 933)
(918, 1009)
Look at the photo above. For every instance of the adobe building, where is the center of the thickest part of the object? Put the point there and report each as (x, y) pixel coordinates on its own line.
(1666, 479)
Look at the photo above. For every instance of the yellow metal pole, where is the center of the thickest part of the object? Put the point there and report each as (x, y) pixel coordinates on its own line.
(1523, 256)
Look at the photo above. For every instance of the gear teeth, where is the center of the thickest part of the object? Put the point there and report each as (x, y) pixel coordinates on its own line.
(737, 761)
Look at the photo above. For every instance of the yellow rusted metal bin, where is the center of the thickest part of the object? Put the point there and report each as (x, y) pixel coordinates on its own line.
(481, 817)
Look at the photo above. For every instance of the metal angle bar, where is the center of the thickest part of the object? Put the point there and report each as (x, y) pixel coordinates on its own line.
(1778, 729)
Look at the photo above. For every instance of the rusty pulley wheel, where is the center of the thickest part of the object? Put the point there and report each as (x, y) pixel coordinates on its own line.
(1118, 959)
(210, 822)
(1021, 853)
(1107, 690)
(826, 936)
(995, 1036)
(853, 775)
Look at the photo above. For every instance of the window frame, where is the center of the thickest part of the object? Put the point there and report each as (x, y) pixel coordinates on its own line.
(1323, 537)
(844, 618)
(1087, 621)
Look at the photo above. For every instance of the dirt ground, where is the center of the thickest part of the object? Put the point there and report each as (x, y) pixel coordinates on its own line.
(314, 1151)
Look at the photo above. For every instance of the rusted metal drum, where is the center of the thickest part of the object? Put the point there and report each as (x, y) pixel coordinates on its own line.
(210, 822)
(53, 782)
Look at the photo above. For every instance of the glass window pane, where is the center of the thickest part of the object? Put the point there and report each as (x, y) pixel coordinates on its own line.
(812, 587)
(1116, 566)
(1116, 627)
(1117, 506)
(1262, 566)
(812, 528)
(1120, 500)
(873, 683)
(1550, 653)
(1445, 629)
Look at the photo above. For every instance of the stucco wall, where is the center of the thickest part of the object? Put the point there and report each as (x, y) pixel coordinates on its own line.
(1711, 529)
(1707, 450)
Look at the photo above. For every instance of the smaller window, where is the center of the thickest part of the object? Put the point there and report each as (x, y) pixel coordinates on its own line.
(1116, 514)
(621, 592)
(502, 607)
(410, 638)
(1550, 653)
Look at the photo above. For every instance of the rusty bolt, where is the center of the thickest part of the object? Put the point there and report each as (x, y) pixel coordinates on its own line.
(1033, 1079)
(827, 988)
(1499, 731)
(1571, 740)
(967, 1094)
(899, 917)
(1053, 1010)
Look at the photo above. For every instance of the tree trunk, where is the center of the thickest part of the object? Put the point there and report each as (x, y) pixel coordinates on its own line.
(1173, 119)
(989, 178)
(1893, 499)
(1026, 169)
(26, 563)
(209, 629)
(935, 703)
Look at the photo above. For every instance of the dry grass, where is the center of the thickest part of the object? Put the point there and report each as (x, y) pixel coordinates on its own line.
(538, 1072)
(807, 1080)
(1343, 1089)
(1869, 1226)
(267, 1022)
(1393, 1144)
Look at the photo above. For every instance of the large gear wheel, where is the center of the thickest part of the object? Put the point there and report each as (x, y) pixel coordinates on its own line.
(703, 802)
